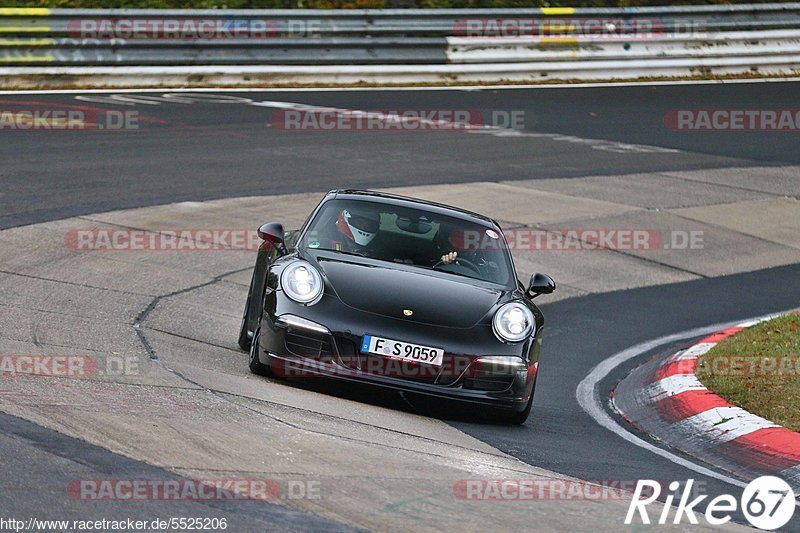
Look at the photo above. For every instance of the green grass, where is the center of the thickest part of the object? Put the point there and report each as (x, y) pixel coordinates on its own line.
(758, 369)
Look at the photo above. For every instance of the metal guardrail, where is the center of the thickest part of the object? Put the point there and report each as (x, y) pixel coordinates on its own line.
(414, 22)
(663, 47)
(565, 42)
(319, 51)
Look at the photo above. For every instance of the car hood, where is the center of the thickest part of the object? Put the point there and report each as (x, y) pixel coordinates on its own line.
(388, 291)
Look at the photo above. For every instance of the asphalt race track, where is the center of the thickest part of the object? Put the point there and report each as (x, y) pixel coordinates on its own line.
(194, 149)
(561, 437)
(199, 151)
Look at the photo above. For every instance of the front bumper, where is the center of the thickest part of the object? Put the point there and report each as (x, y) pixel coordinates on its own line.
(295, 346)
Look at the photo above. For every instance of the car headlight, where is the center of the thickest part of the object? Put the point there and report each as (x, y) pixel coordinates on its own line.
(513, 322)
(302, 283)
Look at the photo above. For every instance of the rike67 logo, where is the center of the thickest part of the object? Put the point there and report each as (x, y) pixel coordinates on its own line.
(767, 503)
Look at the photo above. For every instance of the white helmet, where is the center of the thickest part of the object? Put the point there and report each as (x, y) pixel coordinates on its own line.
(358, 227)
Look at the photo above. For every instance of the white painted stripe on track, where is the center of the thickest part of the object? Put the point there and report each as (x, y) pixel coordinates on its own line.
(689, 353)
(722, 424)
(750, 323)
(672, 385)
(693, 352)
(677, 356)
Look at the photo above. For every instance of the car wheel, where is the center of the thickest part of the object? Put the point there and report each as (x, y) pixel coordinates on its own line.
(256, 366)
(516, 419)
(244, 339)
(502, 416)
(519, 418)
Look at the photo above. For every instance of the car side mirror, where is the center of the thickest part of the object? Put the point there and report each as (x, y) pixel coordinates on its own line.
(540, 284)
(272, 232)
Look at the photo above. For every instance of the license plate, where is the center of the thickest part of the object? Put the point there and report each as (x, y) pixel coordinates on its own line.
(402, 350)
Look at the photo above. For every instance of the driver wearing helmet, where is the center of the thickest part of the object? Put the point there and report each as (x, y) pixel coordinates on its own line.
(359, 234)
(357, 231)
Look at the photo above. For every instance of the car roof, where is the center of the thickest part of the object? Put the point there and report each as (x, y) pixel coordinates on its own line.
(407, 201)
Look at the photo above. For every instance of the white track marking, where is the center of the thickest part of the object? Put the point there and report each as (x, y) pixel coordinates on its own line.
(672, 385)
(722, 424)
(165, 98)
(590, 399)
(697, 350)
(757, 321)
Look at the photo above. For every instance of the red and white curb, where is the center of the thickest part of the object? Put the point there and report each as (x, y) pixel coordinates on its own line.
(665, 399)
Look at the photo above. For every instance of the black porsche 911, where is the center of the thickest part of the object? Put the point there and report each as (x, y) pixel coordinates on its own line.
(401, 293)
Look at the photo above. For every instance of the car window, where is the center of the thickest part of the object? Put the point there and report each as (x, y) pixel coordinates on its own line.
(393, 223)
(411, 236)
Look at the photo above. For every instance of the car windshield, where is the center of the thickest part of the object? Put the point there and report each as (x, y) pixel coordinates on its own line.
(411, 236)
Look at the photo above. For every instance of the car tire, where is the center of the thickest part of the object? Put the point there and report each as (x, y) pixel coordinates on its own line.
(516, 419)
(244, 339)
(256, 366)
